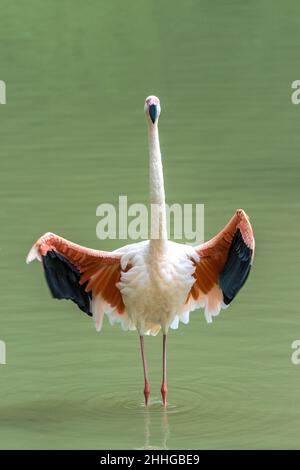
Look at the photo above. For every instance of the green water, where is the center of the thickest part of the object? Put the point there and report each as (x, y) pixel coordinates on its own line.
(73, 135)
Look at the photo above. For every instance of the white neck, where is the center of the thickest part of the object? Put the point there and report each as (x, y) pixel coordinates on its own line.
(158, 235)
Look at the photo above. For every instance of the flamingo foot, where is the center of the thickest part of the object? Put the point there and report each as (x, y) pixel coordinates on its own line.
(147, 393)
(164, 394)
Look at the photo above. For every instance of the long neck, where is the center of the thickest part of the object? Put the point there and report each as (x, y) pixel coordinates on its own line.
(158, 235)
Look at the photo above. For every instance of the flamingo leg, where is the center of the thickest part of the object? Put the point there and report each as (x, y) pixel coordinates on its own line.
(145, 367)
(164, 386)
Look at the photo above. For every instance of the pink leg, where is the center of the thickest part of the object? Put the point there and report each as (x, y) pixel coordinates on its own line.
(145, 367)
(164, 386)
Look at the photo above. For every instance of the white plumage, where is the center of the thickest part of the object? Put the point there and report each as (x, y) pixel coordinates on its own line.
(155, 290)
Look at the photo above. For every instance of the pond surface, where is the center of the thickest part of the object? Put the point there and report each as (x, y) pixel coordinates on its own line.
(73, 136)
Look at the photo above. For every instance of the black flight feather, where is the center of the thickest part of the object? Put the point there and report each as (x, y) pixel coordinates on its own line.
(63, 280)
(236, 269)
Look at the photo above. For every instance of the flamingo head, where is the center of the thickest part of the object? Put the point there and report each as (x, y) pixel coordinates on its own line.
(152, 109)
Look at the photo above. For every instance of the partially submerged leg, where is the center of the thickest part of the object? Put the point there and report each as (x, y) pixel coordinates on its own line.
(164, 386)
(145, 367)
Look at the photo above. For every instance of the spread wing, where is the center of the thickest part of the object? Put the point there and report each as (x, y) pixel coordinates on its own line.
(223, 266)
(85, 276)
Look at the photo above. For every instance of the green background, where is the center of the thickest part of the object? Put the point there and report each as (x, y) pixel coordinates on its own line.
(72, 135)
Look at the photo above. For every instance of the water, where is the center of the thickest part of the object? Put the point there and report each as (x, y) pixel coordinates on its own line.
(73, 136)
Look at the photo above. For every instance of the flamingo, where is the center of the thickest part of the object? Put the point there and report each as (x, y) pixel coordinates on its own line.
(151, 285)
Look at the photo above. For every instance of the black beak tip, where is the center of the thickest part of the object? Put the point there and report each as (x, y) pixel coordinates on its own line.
(153, 112)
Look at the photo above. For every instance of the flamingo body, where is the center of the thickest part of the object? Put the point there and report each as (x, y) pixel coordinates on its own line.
(155, 291)
(146, 294)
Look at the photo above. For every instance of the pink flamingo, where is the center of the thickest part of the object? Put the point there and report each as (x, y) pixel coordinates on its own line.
(152, 285)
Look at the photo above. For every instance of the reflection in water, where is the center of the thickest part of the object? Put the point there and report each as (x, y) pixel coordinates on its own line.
(164, 428)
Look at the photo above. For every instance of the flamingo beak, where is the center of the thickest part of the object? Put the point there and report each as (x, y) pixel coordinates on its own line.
(153, 112)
